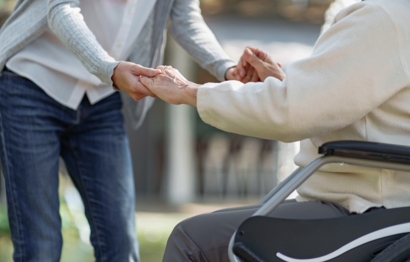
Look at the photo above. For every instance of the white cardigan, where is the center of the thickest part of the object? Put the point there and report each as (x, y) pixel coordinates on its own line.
(355, 86)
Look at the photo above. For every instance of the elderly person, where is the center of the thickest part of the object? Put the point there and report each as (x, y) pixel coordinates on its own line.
(61, 63)
(334, 9)
(354, 86)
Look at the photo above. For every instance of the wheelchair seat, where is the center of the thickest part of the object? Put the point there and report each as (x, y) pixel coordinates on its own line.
(378, 236)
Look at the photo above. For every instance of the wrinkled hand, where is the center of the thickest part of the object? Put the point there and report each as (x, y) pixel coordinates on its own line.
(126, 78)
(172, 87)
(256, 65)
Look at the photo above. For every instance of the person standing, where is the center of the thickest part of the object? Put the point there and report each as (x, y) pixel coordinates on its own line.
(61, 62)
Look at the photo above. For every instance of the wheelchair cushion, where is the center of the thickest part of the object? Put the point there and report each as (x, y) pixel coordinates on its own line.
(367, 150)
(352, 238)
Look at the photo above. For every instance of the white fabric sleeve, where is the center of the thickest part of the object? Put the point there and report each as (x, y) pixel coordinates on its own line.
(67, 23)
(189, 29)
(354, 68)
(333, 10)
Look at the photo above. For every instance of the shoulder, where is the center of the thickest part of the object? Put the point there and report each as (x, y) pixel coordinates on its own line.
(374, 10)
(372, 18)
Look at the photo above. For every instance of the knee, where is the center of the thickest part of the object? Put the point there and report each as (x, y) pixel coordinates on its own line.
(179, 236)
(179, 246)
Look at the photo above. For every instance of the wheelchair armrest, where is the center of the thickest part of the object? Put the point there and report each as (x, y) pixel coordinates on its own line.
(367, 150)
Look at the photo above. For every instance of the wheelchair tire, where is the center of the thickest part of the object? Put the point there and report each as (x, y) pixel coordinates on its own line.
(399, 251)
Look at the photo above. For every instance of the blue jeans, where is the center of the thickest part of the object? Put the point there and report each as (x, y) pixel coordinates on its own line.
(35, 131)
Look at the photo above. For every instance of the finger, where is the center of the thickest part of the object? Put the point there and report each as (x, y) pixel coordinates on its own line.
(258, 52)
(279, 64)
(255, 76)
(252, 59)
(145, 71)
(240, 68)
(237, 74)
(249, 73)
(142, 89)
(147, 82)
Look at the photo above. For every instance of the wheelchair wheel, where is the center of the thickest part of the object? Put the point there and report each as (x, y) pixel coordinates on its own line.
(399, 251)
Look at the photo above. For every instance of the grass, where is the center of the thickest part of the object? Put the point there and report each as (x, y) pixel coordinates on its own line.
(4, 224)
(153, 231)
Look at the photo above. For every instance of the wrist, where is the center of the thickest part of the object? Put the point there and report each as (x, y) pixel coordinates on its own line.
(191, 92)
(114, 76)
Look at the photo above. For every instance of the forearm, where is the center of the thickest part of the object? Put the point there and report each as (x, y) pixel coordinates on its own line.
(191, 32)
(67, 23)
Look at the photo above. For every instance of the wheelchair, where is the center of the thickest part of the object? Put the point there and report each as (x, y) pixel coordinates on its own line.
(378, 236)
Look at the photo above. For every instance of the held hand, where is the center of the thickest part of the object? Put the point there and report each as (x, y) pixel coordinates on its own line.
(245, 72)
(231, 73)
(126, 78)
(172, 87)
(261, 64)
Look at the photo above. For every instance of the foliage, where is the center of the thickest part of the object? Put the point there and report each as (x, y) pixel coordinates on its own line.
(4, 224)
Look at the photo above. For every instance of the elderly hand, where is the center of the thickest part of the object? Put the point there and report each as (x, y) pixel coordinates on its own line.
(256, 65)
(172, 87)
(126, 78)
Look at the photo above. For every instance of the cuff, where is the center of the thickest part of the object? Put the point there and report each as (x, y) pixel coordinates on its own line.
(222, 68)
(201, 103)
(107, 71)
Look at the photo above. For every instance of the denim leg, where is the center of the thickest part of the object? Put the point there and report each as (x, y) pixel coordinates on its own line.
(30, 148)
(97, 156)
(34, 131)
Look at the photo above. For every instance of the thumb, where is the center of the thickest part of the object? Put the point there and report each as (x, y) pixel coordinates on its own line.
(146, 81)
(145, 71)
(252, 59)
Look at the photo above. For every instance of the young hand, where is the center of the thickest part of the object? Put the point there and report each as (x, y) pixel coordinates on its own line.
(126, 78)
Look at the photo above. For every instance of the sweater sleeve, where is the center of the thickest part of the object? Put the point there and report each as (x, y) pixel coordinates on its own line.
(354, 68)
(189, 29)
(67, 23)
(333, 10)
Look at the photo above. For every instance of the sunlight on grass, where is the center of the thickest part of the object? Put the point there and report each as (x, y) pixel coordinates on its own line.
(153, 232)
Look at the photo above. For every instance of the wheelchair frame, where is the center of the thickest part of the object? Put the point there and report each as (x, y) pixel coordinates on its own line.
(356, 153)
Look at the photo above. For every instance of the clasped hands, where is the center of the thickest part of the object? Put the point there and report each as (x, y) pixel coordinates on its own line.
(169, 85)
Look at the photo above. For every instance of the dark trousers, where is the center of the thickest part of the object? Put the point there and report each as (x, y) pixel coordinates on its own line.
(35, 131)
(206, 237)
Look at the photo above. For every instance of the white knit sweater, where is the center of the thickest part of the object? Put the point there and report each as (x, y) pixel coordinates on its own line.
(355, 86)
